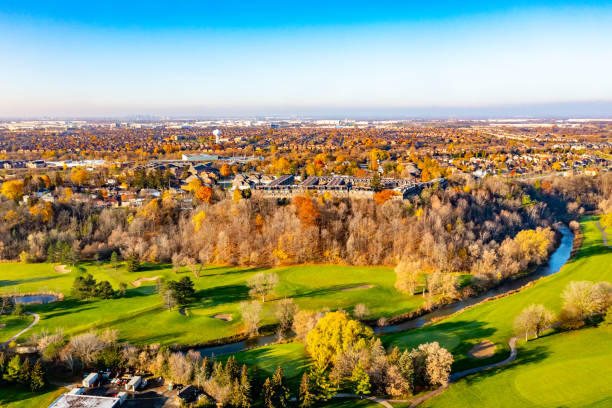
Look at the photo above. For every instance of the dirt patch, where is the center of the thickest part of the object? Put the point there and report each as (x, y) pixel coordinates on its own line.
(61, 269)
(484, 349)
(358, 287)
(226, 317)
(2, 325)
(139, 281)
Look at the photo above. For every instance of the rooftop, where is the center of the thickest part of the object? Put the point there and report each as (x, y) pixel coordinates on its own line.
(84, 401)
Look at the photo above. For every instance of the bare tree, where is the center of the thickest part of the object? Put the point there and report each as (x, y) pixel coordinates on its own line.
(251, 316)
(285, 312)
(180, 368)
(262, 284)
(407, 276)
(432, 363)
(534, 318)
(87, 346)
(584, 298)
(361, 311)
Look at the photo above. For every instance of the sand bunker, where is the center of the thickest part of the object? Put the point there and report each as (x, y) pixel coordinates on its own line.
(484, 349)
(61, 269)
(358, 287)
(226, 317)
(139, 281)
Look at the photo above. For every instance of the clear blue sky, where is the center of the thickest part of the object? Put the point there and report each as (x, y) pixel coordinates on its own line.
(94, 58)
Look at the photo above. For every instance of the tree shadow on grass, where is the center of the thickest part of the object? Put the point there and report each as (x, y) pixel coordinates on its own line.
(30, 280)
(231, 272)
(220, 295)
(328, 290)
(524, 357)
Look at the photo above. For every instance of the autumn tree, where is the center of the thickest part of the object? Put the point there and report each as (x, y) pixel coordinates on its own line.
(585, 298)
(306, 211)
(432, 362)
(225, 170)
(407, 276)
(204, 194)
(251, 316)
(12, 189)
(383, 196)
(262, 284)
(285, 311)
(79, 176)
(333, 334)
(533, 319)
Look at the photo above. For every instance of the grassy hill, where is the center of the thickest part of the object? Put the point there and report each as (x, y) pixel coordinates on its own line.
(141, 319)
(570, 369)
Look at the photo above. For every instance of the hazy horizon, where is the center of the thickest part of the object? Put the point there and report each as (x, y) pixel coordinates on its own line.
(468, 59)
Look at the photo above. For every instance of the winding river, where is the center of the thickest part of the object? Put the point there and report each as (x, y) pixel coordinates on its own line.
(558, 258)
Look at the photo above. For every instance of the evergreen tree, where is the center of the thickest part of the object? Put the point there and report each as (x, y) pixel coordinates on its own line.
(306, 397)
(282, 390)
(245, 388)
(13, 370)
(37, 377)
(231, 368)
(375, 184)
(24, 375)
(105, 290)
(360, 380)
(132, 263)
(323, 388)
(84, 287)
(113, 259)
(268, 394)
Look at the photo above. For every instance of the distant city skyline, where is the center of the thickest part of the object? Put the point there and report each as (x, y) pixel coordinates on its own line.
(357, 59)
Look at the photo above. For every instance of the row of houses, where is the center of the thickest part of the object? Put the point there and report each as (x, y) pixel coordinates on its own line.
(346, 186)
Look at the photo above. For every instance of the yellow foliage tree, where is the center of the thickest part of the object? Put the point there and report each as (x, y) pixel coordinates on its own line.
(12, 189)
(79, 177)
(333, 334)
(198, 220)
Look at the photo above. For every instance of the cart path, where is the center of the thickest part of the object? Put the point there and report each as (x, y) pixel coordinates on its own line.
(453, 378)
(15, 337)
(604, 234)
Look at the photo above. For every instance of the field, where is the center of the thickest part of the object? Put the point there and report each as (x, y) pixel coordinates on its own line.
(15, 397)
(140, 318)
(562, 370)
(11, 325)
(494, 320)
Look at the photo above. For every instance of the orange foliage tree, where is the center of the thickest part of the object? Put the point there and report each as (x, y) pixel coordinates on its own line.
(384, 196)
(306, 210)
(204, 194)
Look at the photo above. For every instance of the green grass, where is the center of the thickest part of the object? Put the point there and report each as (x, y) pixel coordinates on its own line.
(12, 325)
(16, 397)
(140, 319)
(494, 320)
(290, 356)
(570, 369)
(349, 403)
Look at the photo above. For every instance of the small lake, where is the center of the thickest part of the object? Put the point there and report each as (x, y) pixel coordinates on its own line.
(558, 258)
(35, 299)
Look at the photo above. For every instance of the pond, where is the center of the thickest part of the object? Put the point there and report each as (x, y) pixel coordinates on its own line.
(35, 299)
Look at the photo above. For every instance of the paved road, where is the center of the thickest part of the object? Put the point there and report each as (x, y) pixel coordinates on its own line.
(15, 337)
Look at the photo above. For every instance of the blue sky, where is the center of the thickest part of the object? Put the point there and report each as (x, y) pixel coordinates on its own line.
(264, 57)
